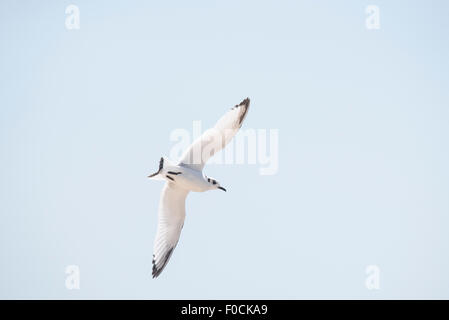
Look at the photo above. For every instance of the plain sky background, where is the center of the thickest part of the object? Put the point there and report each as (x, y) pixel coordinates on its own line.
(363, 148)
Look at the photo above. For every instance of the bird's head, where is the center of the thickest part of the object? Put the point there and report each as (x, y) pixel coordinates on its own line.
(215, 184)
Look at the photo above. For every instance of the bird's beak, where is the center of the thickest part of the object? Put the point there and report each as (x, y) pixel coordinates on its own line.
(221, 188)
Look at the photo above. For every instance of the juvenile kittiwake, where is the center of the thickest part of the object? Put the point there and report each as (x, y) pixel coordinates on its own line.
(187, 175)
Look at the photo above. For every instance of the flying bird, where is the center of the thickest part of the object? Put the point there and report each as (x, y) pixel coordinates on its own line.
(187, 175)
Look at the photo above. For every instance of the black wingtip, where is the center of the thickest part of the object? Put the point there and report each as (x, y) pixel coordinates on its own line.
(153, 273)
(244, 102)
(157, 271)
(245, 105)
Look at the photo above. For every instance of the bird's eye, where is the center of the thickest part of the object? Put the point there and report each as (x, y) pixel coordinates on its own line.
(214, 182)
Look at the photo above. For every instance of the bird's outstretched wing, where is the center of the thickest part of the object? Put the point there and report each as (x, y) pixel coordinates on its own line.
(172, 211)
(216, 138)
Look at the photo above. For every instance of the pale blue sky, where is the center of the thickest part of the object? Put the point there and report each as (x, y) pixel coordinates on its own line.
(363, 148)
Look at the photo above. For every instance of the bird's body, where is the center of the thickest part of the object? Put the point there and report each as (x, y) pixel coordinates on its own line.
(187, 175)
(183, 176)
(192, 180)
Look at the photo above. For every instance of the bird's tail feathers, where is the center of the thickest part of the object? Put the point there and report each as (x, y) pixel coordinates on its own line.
(163, 164)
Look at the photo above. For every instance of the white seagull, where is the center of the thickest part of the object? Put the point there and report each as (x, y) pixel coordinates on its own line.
(187, 175)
